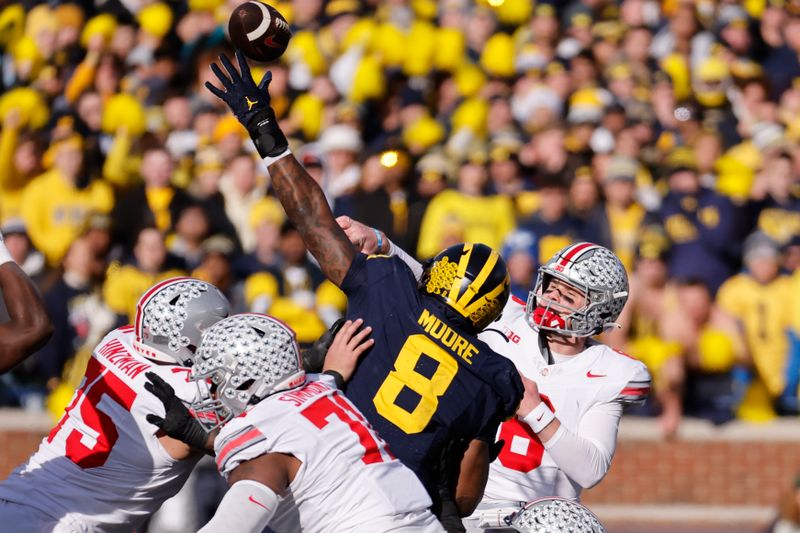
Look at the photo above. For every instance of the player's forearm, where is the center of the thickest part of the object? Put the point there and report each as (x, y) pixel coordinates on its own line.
(582, 460)
(585, 455)
(307, 208)
(29, 327)
(472, 477)
(247, 507)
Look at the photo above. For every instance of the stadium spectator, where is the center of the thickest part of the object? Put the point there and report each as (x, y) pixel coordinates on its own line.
(466, 213)
(125, 283)
(56, 205)
(552, 223)
(19, 245)
(712, 348)
(701, 224)
(341, 144)
(79, 315)
(215, 263)
(380, 196)
(521, 253)
(623, 214)
(774, 200)
(154, 203)
(192, 227)
(757, 299)
(20, 155)
(242, 185)
(289, 290)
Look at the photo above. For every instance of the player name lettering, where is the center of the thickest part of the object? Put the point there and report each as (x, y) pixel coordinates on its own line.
(309, 391)
(116, 354)
(452, 340)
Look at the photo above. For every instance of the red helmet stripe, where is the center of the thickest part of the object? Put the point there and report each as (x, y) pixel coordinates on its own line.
(575, 250)
(146, 297)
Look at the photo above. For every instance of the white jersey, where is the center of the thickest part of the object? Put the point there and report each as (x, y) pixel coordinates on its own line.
(349, 480)
(102, 465)
(524, 470)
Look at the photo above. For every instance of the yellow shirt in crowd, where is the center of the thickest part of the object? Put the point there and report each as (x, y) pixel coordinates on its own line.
(454, 217)
(764, 311)
(125, 284)
(55, 211)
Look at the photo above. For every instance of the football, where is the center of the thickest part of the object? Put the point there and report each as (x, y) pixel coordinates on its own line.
(259, 31)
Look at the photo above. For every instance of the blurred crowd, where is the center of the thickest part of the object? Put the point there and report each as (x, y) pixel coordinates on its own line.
(668, 131)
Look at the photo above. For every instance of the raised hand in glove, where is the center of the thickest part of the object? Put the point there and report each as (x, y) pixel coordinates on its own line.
(178, 422)
(250, 103)
(314, 357)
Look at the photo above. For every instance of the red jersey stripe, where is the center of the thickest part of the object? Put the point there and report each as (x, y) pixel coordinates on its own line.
(235, 443)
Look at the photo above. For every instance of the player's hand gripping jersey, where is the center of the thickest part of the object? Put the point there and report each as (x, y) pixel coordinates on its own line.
(423, 382)
(349, 480)
(598, 379)
(104, 467)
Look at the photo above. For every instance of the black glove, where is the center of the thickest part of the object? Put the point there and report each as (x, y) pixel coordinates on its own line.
(314, 357)
(178, 422)
(447, 472)
(495, 449)
(250, 103)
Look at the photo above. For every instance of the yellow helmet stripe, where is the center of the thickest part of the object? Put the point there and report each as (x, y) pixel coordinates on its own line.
(477, 304)
(460, 273)
(475, 287)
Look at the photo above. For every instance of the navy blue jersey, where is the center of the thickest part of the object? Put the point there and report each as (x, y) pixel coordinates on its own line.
(425, 380)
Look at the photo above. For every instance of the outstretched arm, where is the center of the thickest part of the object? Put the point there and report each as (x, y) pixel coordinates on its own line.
(301, 196)
(307, 208)
(30, 326)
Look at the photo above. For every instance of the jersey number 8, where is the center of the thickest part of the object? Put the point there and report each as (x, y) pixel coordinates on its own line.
(405, 375)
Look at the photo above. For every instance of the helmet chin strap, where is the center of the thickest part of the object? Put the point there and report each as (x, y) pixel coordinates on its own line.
(544, 348)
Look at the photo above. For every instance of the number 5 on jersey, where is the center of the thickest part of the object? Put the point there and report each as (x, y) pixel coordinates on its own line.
(406, 376)
(93, 432)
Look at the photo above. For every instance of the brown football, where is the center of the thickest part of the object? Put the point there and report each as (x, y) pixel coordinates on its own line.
(259, 31)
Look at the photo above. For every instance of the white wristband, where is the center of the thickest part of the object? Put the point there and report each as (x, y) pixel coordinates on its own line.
(539, 418)
(5, 255)
(269, 160)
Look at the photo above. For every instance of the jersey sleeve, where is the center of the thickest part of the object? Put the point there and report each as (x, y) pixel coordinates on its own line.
(388, 273)
(637, 388)
(234, 445)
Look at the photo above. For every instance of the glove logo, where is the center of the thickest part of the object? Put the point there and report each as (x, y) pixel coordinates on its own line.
(250, 103)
